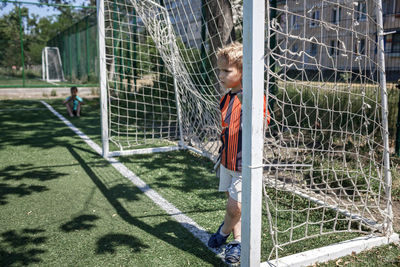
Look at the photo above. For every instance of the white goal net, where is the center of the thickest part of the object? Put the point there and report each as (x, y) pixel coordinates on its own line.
(52, 70)
(326, 166)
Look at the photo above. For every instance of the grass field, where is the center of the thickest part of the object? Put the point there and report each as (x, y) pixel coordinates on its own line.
(63, 205)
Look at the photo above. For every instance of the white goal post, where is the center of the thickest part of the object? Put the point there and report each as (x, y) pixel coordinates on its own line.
(52, 70)
(320, 170)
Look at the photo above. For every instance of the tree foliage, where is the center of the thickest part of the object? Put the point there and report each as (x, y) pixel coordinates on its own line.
(35, 32)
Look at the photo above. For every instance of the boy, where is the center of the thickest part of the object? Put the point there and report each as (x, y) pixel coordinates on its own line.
(74, 103)
(229, 60)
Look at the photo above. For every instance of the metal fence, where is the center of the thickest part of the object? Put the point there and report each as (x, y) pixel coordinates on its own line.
(20, 61)
(78, 51)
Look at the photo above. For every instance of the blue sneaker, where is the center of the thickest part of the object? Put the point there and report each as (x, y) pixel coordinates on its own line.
(232, 252)
(216, 240)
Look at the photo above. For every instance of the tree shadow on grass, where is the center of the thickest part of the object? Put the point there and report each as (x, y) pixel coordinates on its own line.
(196, 174)
(40, 128)
(20, 190)
(16, 247)
(82, 222)
(21, 172)
(182, 240)
(29, 171)
(109, 242)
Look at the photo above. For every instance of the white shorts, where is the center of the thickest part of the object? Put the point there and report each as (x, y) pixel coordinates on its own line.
(231, 182)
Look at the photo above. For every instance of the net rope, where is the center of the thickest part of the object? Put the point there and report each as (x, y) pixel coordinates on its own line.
(323, 150)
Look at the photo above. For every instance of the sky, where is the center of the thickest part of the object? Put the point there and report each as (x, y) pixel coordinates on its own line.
(34, 9)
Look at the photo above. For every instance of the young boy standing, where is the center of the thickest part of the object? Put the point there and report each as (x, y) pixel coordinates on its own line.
(74, 103)
(230, 62)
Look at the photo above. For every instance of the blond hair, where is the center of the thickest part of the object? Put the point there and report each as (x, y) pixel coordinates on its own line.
(233, 53)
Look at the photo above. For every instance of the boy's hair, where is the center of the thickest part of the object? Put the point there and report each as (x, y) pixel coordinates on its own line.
(233, 53)
(74, 88)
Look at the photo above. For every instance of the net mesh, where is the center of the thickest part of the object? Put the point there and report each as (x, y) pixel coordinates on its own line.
(323, 150)
(325, 144)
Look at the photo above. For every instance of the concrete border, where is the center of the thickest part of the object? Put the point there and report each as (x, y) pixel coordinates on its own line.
(44, 92)
(333, 251)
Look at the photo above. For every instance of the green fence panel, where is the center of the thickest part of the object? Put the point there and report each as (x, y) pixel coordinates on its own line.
(79, 51)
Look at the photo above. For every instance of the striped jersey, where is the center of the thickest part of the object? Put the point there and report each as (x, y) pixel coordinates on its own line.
(231, 136)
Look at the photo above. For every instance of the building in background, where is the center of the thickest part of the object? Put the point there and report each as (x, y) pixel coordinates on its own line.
(328, 39)
(186, 18)
(391, 24)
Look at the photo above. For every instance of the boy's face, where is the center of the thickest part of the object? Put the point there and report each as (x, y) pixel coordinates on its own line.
(229, 75)
(74, 92)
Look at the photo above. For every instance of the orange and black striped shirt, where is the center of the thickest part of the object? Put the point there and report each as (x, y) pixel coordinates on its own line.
(231, 136)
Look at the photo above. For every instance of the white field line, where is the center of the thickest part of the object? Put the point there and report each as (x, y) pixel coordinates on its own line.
(199, 232)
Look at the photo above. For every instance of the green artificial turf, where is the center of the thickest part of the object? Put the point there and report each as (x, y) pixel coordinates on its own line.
(66, 206)
(187, 181)
(63, 205)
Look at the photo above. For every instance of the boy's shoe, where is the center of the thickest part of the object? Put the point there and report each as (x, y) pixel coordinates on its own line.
(216, 240)
(232, 252)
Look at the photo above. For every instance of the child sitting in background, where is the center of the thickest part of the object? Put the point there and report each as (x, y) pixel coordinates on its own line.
(73, 103)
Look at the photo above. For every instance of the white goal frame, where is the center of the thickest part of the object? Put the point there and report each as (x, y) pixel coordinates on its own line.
(253, 68)
(45, 64)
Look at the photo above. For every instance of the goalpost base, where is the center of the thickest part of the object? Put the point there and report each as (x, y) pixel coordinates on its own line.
(333, 251)
(143, 151)
(160, 149)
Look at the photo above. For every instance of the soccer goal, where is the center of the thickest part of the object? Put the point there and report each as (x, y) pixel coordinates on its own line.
(321, 167)
(52, 70)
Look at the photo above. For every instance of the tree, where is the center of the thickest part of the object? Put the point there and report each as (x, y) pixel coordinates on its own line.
(220, 26)
(36, 32)
(10, 44)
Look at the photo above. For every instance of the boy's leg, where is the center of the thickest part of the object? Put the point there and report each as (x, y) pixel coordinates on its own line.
(78, 110)
(69, 109)
(225, 180)
(234, 206)
(232, 221)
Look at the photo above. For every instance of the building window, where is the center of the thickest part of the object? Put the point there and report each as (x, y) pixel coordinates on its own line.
(336, 13)
(388, 7)
(334, 48)
(360, 47)
(396, 43)
(314, 49)
(295, 47)
(397, 6)
(315, 19)
(362, 11)
(293, 22)
(279, 18)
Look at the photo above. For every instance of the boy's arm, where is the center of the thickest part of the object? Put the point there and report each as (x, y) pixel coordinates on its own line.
(69, 99)
(79, 99)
